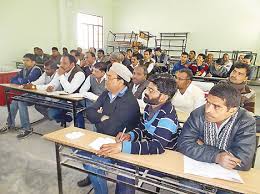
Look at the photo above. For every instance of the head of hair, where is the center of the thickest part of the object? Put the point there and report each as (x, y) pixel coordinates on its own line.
(192, 51)
(101, 66)
(29, 56)
(51, 63)
(71, 58)
(117, 57)
(220, 61)
(65, 48)
(101, 51)
(243, 66)
(165, 83)
(158, 49)
(36, 48)
(248, 57)
(144, 68)
(149, 51)
(54, 49)
(188, 73)
(227, 93)
(185, 53)
(129, 50)
(202, 55)
(92, 54)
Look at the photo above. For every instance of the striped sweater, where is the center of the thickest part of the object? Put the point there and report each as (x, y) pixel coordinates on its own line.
(155, 135)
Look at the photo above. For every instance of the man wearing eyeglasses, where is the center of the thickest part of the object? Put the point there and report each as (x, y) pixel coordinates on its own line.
(188, 96)
(158, 130)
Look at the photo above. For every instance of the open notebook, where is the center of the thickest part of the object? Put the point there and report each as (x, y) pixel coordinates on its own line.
(210, 170)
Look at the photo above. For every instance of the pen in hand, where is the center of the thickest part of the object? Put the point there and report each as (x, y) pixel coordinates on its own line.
(238, 164)
(120, 139)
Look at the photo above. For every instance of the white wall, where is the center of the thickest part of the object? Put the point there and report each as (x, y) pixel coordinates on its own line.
(25, 24)
(213, 24)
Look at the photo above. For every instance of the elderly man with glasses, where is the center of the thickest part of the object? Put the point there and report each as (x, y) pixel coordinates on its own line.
(188, 96)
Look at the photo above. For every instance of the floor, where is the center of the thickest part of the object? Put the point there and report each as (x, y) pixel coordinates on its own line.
(28, 166)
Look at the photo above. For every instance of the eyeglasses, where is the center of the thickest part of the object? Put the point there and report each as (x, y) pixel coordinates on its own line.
(151, 90)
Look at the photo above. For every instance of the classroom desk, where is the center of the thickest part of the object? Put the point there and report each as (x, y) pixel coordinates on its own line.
(44, 102)
(169, 163)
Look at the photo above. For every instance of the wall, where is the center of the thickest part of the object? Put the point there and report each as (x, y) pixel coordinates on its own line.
(24, 25)
(29, 23)
(213, 24)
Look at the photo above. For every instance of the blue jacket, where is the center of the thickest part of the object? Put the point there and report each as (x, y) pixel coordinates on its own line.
(178, 66)
(154, 135)
(27, 76)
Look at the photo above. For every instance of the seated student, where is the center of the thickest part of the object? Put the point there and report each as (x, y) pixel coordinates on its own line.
(220, 132)
(92, 88)
(227, 62)
(92, 50)
(160, 57)
(137, 53)
(69, 77)
(114, 110)
(247, 60)
(101, 56)
(126, 61)
(81, 54)
(217, 69)
(41, 57)
(88, 64)
(28, 74)
(55, 55)
(65, 51)
(129, 53)
(199, 68)
(41, 83)
(147, 62)
(138, 85)
(134, 64)
(238, 79)
(181, 64)
(192, 56)
(188, 96)
(158, 131)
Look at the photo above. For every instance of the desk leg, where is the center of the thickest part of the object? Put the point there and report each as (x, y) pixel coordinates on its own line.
(7, 103)
(257, 142)
(59, 176)
(74, 112)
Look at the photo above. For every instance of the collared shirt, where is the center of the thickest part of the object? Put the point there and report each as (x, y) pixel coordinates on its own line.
(192, 98)
(135, 87)
(43, 81)
(120, 94)
(221, 126)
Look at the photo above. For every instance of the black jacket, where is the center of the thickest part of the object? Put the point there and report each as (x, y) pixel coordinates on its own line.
(123, 112)
(242, 141)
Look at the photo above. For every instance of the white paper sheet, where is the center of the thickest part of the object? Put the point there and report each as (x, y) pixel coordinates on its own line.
(74, 135)
(210, 170)
(100, 141)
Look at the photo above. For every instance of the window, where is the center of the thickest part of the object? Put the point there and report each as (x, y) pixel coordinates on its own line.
(90, 31)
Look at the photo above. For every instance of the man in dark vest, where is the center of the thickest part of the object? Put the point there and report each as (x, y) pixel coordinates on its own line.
(148, 62)
(138, 85)
(92, 88)
(69, 77)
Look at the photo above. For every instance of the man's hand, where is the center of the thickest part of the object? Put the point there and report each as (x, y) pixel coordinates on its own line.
(50, 89)
(104, 117)
(200, 142)
(109, 149)
(61, 71)
(122, 137)
(227, 161)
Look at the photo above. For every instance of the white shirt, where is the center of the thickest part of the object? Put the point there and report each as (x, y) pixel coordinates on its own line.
(228, 65)
(192, 98)
(135, 87)
(85, 89)
(43, 80)
(67, 86)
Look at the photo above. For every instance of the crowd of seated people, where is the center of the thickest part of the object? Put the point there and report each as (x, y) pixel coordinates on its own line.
(123, 87)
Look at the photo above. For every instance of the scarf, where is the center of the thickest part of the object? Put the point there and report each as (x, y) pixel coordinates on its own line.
(218, 140)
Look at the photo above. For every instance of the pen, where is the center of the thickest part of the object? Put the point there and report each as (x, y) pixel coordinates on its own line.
(120, 139)
(238, 164)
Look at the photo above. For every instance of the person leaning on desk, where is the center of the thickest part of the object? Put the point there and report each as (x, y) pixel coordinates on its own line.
(220, 131)
(158, 130)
